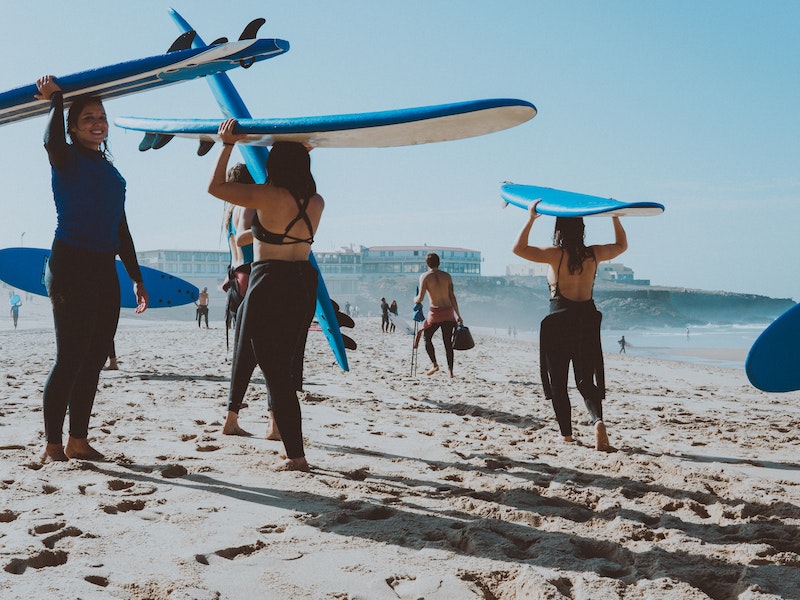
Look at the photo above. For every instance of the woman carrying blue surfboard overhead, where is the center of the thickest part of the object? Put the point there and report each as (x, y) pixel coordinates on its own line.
(81, 275)
(571, 332)
(281, 295)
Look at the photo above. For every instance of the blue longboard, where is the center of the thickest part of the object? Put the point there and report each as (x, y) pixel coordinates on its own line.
(24, 269)
(558, 203)
(232, 105)
(143, 74)
(773, 363)
(401, 127)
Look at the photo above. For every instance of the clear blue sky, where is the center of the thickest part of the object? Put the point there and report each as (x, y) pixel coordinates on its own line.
(693, 104)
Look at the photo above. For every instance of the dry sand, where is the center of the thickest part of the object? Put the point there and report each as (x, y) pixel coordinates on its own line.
(421, 487)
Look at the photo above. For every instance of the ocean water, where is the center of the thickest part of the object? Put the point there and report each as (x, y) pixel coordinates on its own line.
(718, 345)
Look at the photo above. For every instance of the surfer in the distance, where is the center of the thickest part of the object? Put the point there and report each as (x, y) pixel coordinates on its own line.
(281, 295)
(571, 332)
(81, 276)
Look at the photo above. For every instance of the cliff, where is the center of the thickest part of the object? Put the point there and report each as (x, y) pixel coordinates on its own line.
(522, 302)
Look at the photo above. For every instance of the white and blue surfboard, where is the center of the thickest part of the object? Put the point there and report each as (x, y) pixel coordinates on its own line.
(382, 129)
(232, 105)
(181, 63)
(560, 203)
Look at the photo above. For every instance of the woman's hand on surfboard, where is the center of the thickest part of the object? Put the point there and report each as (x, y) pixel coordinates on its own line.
(226, 133)
(47, 86)
(532, 209)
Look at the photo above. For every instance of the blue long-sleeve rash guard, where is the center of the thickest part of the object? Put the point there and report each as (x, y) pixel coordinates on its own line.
(89, 194)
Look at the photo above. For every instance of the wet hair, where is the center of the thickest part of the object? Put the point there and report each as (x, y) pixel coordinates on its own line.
(569, 235)
(432, 260)
(74, 113)
(289, 166)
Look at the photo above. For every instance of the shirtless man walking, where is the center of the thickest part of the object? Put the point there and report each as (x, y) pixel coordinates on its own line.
(443, 312)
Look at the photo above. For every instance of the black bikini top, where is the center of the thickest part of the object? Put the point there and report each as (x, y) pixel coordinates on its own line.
(279, 239)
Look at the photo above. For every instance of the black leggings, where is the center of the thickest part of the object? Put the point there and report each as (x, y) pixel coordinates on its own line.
(447, 336)
(271, 330)
(571, 333)
(84, 291)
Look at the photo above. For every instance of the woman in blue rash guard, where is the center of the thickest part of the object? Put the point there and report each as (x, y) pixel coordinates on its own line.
(81, 276)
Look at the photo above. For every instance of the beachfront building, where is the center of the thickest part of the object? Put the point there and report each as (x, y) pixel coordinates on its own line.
(203, 268)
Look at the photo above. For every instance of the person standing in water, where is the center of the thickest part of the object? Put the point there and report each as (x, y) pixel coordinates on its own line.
(571, 332)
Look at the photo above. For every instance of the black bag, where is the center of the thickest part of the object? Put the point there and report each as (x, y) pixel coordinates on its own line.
(462, 338)
(236, 287)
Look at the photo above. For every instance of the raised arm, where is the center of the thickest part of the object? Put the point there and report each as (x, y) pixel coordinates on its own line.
(241, 194)
(55, 138)
(611, 251)
(532, 253)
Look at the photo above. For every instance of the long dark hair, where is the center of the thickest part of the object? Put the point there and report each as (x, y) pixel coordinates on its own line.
(289, 166)
(569, 235)
(75, 110)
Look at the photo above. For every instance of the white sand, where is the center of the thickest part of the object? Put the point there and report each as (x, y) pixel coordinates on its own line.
(421, 487)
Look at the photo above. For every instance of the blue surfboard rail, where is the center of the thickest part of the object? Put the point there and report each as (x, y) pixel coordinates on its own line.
(560, 203)
(381, 129)
(141, 74)
(773, 362)
(24, 269)
(232, 105)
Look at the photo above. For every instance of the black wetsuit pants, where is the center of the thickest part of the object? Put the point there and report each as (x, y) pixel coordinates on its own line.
(271, 329)
(447, 335)
(571, 333)
(84, 292)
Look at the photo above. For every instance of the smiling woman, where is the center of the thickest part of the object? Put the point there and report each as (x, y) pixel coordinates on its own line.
(81, 277)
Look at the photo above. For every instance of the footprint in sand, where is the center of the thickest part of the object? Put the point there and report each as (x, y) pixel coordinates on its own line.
(40, 560)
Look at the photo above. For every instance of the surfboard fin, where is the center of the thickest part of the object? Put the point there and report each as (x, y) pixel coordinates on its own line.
(183, 42)
(349, 342)
(204, 147)
(249, 33)
(251, 30)
(161, 140)
(218, 41)
(154, 141)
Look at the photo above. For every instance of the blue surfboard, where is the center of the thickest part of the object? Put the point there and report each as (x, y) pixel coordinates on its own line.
(24, 269)
(383, 129)
(773, 363)
(232, 105)
(142, 74)
(559, 203)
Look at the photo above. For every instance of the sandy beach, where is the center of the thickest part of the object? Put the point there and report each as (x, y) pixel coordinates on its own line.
(421, 487)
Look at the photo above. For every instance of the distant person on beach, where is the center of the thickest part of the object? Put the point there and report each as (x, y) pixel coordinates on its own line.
(240, 237)
(202, 306)
(393, 311)
(16, 302)
(281, 295)
(81, 276)
(622, 344)
(384, 316)
(571, 332)
(443, 312)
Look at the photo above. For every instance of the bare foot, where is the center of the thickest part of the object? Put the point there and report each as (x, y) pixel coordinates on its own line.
(54, 453)
(112, 365)
(294, 464)
(433, 370)
(601, 438)
(231, 426)
(80, 449)
(569, 439)
(272, 430)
